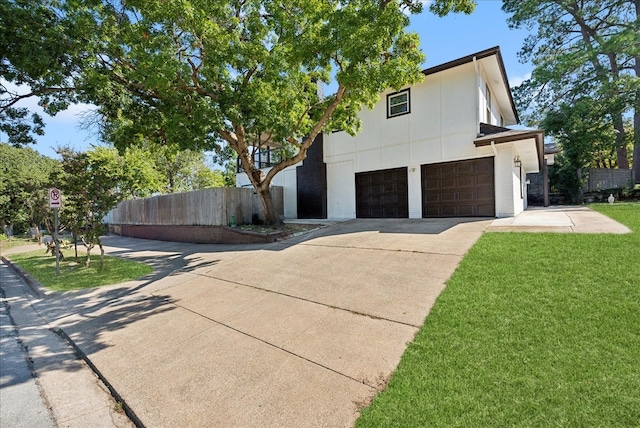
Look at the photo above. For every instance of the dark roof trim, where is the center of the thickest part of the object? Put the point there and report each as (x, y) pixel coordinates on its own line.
(508, 136)
(461, 61)
(478, 55)
(486, 128)
(551, 149)
(515, 135)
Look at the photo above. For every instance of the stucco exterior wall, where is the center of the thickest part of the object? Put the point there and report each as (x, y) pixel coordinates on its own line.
(440, 128)
(287, 180)
(414, 184)
(341, 190)
(509, 200)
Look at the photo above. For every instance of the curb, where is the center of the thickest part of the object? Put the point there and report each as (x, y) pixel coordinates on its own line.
(119, 400)
(36, 289)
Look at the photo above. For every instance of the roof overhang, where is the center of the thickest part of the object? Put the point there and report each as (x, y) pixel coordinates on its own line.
(529, 145)
(493, 64)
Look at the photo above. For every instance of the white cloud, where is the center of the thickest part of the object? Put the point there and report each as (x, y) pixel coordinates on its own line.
(74, 113)
(71, 115)
(517, 80)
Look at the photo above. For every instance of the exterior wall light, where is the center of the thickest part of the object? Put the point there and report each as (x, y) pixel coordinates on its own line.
(517, 162)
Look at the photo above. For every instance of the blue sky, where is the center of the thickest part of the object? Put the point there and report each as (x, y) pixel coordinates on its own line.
(442, 40)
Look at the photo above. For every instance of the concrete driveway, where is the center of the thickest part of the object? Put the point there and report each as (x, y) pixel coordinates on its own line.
(297, 333)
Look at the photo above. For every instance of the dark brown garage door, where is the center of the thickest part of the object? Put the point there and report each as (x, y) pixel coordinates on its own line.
(458, 189)
(382, 194)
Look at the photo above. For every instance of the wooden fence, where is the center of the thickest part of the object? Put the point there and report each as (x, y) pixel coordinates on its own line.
(604, 178)
(207, 207)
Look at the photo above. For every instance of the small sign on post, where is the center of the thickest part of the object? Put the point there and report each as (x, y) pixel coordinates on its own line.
(55, 198)
(55, 202)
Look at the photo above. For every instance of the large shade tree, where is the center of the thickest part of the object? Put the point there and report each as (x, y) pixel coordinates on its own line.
(583, 48)
(205, 74)
(42, 52)
(24, 180)
(579, 129)
(92, 184)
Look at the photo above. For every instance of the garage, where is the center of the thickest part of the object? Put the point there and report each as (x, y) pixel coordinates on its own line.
(459, 189)
(382, 194)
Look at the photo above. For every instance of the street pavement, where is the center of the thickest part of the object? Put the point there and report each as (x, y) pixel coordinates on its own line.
(21, 403)
(301, 332)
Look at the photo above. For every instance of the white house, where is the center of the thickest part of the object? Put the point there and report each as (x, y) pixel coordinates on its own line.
(440, 148)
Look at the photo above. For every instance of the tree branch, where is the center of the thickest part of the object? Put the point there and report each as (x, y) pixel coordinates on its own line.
(15, 98)
(302, 153)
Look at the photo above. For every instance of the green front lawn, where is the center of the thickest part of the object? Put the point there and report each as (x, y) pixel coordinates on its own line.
(14, 241)
(74, 276)
(531, 330)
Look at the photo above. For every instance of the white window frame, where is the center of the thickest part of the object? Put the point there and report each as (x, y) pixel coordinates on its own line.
(390, 98)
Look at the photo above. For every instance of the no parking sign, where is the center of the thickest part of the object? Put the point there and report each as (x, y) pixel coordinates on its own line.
(55, 198)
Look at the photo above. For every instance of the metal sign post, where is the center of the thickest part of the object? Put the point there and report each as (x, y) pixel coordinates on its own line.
(55, 201)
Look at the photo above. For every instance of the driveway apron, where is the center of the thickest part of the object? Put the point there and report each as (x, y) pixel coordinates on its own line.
(301, 332)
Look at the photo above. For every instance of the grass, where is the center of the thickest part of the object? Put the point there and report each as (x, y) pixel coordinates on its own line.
(75, 276)
(531, 330)
(14, 241)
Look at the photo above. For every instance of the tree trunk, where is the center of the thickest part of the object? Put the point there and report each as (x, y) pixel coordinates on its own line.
(101, 263)
(271, 216)
(37, 236)
(74, 236)
(621, 144)
(636, 141)
(89, 248)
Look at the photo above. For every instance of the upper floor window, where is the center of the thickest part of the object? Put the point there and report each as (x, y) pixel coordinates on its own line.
(488, 95)
(399, 103)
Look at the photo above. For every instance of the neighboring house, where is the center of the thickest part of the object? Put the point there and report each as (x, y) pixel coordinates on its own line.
(538, 183)
(439, 148)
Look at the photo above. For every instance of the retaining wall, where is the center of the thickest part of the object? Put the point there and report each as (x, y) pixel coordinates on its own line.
(201, 216)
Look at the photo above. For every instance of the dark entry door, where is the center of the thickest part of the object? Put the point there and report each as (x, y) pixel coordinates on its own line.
(459, 189)
(382, 194)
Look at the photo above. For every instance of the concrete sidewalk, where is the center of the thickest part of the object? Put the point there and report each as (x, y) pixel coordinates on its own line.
(559, 219)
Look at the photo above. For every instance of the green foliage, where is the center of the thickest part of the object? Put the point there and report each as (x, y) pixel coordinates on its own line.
(183, 170)
(582, 49)
(24, 181)
(630, 193)
(533, 329)
(15, 123)
(577, 52)
(199, 68)
(205, 178)
(579, 129)
(42, 49)
(140, 177)
(92, 184)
